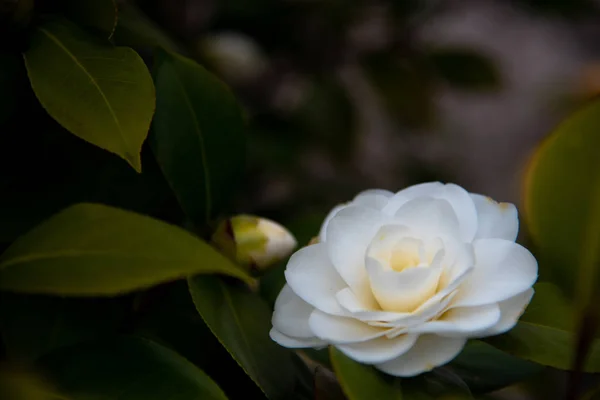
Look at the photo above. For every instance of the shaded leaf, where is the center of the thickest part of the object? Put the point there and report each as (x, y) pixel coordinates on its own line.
(100, 93)
(134, 28)
(97, 14)
(484, 368)
(92, 249)
(197, 135)
(127, 368)
(362, 382)
(32, 326)
(241, 321)
(545, 333)
(17, 383)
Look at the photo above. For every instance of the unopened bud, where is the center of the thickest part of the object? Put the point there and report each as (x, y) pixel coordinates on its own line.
(253, 241)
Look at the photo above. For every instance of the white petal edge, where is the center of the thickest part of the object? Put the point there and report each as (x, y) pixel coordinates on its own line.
(375, 198)
(328, 218)
(502, 270)
(295, 343)
(342, 330)
(310, 274)
(291, 313)
(379, 350)
(511, 311)
(462, 321)
(429, 351)
(495, 220)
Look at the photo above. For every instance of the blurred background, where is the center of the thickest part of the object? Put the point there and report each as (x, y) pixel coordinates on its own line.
(345, 95)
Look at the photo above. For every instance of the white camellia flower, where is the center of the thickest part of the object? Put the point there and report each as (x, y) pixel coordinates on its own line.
(401, 281)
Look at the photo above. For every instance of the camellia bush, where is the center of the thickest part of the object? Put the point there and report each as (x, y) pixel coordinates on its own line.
(125, 275)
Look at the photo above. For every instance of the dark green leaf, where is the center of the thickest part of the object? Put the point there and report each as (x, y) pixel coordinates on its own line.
(92, 249)
(128, 368)
(197, 135)
(241, 321)
(465, 69)
(97, 14)
(17, 383)
(362, 382)
(100, 93)
(35, 325)
(544, 333)
(136, 29)
(484, 368)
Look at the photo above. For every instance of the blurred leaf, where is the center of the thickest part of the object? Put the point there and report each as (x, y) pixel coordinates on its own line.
(362, 382)
(92, 250)
(19, 384)
(134, 28)
(197, 136)
(97, 14)
(241, 321)
(405, 88)
(484, 368)
(545, 333)
(32, 326)
(127, 368)
(465, 69)
(100, 93)
(562, 203)
(327, 386)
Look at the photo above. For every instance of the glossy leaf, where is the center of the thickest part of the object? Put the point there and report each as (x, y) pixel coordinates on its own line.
(362, 382)
(241, 321)
(545, 333)
(100, 93)
(98, 14)
(35, 325)
(197, 135)
(92, 249)
(127, 368)
(562, 203)
(484, 368)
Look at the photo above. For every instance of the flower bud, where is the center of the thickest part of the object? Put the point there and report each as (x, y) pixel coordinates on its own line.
(255, 242)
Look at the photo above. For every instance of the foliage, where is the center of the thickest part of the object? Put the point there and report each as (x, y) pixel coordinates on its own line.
(119, 154)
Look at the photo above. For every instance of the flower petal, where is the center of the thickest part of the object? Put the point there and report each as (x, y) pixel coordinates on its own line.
(429, 218)
(402, 291)
(291, 314)
(295, 343)
(511, 310)
(429, 351)
(495, 220)
(502, 270)
(341, 330)
(348, 236)
(375, 198)
(311, 276)
(458, 198)
(462, 321)
(353, 305)
(379, 350)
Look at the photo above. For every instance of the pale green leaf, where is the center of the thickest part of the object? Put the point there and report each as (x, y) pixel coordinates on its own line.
(100, 93)
(92, 249)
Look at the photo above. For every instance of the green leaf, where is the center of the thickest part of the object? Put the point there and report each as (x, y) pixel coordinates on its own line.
(32, 326)
(97, 14)
(562, 203)
(241, 321)
(127, 368)
(92, 249)
(100, 93)
(465, 69)
(17, 383)
(197, 135)
(545, 333)
(484, 368)
(362, 382)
